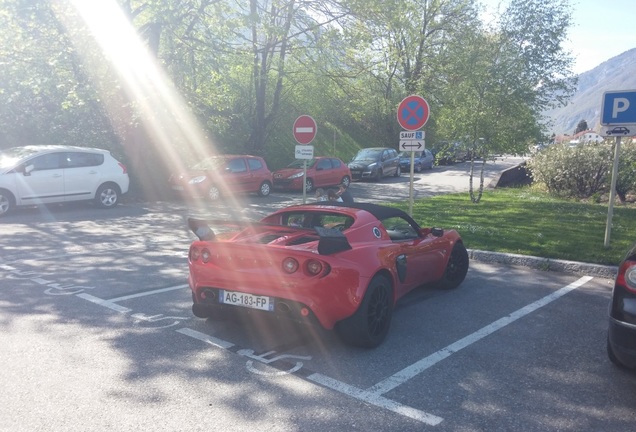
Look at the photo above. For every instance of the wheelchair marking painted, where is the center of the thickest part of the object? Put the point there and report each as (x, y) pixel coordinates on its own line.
(53, 288)
(263, 359)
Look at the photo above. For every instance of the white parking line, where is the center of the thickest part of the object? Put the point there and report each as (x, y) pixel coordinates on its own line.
(206, 338)
(420, 366)
(375, 399)
(147, 293)
(106, 303)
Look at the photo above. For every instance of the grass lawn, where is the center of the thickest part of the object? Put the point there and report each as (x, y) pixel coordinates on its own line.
(529, 222)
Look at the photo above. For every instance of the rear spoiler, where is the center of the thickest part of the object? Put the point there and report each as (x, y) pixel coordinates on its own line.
(331, 241)
(201, 229)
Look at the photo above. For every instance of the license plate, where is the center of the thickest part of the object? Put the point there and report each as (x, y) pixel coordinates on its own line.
(246, 300)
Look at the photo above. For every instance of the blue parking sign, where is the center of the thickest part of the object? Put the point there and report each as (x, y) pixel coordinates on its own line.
(619, 107)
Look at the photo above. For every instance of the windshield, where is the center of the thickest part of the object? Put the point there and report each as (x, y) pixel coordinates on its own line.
(210, 163)
(10, 157)
(300, 163)
(368, 154)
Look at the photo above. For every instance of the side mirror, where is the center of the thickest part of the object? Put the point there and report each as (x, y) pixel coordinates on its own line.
(437, 232)
(28, 169)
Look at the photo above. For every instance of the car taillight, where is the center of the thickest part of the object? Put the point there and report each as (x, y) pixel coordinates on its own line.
(205, 255)
(627, 275)
(194, 254)
(290, 265)
(123, 167)
(314, 267)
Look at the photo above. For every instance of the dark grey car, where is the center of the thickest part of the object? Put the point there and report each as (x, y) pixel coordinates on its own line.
(375, 163)
(421, 160)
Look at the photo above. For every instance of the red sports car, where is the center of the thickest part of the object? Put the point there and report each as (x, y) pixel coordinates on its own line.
(341, 266)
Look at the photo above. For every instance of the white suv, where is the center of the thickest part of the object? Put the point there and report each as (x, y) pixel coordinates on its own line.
(44, 174)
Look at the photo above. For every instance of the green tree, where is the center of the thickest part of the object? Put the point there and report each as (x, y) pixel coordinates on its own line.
(582, 126)
(46, 95)
(504, 78)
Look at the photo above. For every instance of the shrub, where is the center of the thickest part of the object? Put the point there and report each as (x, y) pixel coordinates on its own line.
(626, 180)
(573, 172)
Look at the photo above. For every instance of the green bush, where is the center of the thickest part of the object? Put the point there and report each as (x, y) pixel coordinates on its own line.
(626, 180)
(573, 172)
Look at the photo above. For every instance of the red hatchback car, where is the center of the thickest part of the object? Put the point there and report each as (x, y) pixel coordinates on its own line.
(337, 265)
(321, 172)
(224, 175)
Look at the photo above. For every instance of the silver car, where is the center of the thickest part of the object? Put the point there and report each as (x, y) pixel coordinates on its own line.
(45, 174)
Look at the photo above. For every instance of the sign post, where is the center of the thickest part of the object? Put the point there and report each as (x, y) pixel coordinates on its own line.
(618, 111)
(304, 131)
(412, 114)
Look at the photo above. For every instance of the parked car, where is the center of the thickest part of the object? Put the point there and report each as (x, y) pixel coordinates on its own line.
(216, 176)
(341, 266)
(621, 335)
(375, 163)
(321, 172)
(449, 153)
(422, 160)
(43, 174)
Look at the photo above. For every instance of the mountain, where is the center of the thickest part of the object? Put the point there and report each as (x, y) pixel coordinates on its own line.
(617, 73)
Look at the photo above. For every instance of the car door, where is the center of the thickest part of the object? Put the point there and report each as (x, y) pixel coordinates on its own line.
(81, 175)
(323, 173)
(390, 162)
(237, 176)
(41, 179)
(417, 259)
(258, 173)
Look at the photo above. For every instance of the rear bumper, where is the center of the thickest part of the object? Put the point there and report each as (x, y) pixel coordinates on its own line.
(622, 338)
(206, 303)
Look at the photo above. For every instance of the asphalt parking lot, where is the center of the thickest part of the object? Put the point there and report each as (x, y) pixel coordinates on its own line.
(98, 335)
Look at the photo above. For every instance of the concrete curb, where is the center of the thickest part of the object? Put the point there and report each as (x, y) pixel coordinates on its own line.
(545, 264)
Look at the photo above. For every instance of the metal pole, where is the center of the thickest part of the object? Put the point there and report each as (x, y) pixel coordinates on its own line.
(305, 181)
(612, 197)
(334, 141)
(411, 184)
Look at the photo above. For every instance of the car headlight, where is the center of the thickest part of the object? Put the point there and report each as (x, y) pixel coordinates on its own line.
(196, 180)
(372, 166)
(293, 176)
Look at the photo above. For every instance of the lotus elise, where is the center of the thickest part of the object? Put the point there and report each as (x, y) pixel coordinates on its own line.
(337, 265)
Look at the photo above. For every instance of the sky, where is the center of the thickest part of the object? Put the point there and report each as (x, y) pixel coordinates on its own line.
(601, 29)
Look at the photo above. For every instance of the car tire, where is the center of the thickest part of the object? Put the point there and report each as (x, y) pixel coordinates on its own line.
(265, 189)
(369, 325)
(107, 195)
(379, 175)
(214, 193)
(309, 185)
(398, 171)
(456, 268)
(346, 181)
(7, 202)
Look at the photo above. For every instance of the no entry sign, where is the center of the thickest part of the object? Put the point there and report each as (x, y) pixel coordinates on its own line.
(304, 129)
(413, 112)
